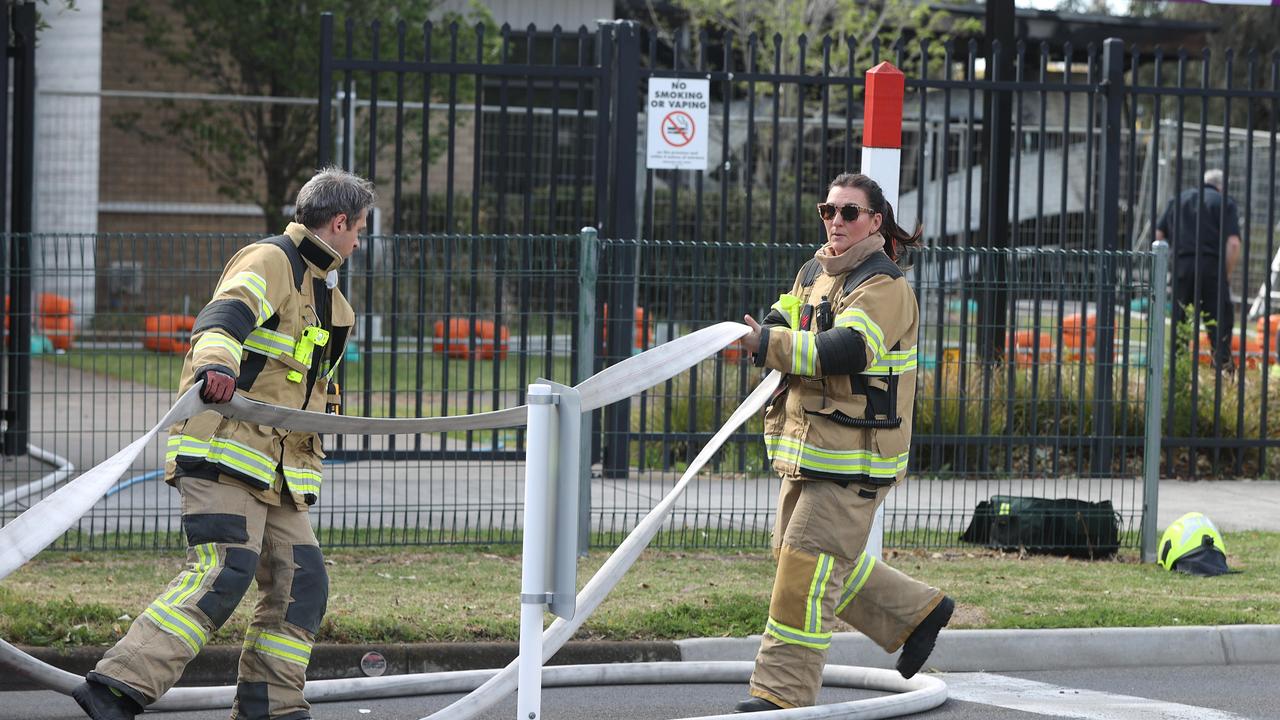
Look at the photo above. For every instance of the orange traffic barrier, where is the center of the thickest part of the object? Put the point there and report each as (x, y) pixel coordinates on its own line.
(1024, 346)
(460, 331)
(1077, 332)
(734, 352)
(1269, 327)
(1252, 351)
(59, 329)
(52, 305)
(643, 330)
(54, 319)
(168, 333)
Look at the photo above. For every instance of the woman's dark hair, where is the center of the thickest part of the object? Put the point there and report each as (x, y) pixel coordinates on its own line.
(898, 241)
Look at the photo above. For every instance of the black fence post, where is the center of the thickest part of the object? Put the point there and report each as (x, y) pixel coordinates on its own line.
(18, 379)
(997, 135)
(1112, 92)
(325, 133)
(622, 216)
(4, 221)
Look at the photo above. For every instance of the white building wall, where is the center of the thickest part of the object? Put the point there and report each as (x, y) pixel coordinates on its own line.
(68, 80)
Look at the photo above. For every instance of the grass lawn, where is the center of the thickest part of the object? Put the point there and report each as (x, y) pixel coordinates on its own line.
(465, 593)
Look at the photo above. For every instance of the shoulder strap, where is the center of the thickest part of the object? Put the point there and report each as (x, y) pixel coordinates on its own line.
(295, 257)
(877, 264)
(809, 272)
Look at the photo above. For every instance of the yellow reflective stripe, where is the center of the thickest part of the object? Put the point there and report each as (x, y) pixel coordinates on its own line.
(186, 445)
(222, 451)
(817, 589)
(213, 338)
(859, 320)
(279, 646)
(243, 458)
(804, 353)
(856, 580)
(845, 462)
(792, 636)
(256, 285)
(269, 342)
(303, 480)
(894, 362)
(206, 560)
(175, 622)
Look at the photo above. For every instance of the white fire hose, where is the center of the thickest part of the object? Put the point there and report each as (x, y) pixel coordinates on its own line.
(34, 530)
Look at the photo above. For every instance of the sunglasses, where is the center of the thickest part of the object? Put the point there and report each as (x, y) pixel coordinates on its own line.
(848, 211)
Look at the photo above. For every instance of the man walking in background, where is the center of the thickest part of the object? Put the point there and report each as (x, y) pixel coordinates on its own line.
(1203, 226)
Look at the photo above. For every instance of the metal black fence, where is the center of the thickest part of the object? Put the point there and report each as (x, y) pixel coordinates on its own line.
(457, 324)
(541, 132)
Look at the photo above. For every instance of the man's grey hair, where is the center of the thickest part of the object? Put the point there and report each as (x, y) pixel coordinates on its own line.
(330, 193)
(1213, 177)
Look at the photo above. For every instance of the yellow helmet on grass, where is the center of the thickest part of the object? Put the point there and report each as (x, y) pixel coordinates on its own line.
(1193, 545)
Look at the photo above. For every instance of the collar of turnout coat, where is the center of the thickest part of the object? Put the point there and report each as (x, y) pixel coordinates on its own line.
(322, 257)
(849, 259)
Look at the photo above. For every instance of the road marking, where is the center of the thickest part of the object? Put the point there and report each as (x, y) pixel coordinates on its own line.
(1056, 700)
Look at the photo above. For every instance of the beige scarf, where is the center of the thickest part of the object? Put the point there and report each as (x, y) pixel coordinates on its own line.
(851, 258)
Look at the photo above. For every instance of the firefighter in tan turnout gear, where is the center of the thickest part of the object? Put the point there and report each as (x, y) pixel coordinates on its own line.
(838, 433)
(274, 331)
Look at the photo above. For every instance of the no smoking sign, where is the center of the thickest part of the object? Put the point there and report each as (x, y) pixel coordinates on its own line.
(678, 128)
(678, 112)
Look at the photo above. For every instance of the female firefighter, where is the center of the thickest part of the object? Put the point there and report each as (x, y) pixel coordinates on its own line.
(838, 433)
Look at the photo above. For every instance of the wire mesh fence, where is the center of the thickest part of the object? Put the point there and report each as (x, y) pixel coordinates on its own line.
(1043, 395)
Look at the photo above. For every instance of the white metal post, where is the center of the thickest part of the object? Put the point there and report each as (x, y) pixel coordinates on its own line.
(533, 584)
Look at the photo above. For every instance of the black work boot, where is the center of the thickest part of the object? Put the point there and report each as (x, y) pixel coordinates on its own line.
(920, 643)
(103, 702)
(755, 704)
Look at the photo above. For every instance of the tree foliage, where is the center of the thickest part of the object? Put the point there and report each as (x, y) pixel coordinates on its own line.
(857, 25)
(260, 152)
(1250, 33)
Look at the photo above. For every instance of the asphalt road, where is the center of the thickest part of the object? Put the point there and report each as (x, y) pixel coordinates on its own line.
(1168, 693)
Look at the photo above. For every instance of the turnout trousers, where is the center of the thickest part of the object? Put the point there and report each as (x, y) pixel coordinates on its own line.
(232, 538)
(819, 539)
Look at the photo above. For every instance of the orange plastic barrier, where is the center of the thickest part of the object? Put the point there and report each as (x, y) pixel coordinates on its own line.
(460, 332)
(59, 329)
(1252, 351)
(1270, 327)
(734, 352)
(54, 319)
(1024, 346)
(1078, 332)
(53, 305)
(168, 333)
(642, 332)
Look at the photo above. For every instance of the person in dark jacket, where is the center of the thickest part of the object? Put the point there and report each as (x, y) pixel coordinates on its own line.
(1203, 226)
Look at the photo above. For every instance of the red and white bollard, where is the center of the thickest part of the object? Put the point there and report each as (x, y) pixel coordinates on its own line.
(882, 162)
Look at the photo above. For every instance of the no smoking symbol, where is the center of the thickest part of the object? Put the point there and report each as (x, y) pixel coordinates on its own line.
(678, 128)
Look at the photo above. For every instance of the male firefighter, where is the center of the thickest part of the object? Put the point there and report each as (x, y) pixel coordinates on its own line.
(274, 331)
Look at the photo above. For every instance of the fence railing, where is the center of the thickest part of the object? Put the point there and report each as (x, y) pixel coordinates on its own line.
(455, 324)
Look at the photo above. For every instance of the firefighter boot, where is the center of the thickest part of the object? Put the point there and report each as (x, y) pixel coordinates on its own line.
(755, 704)
(920, 643)
(102, 702)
